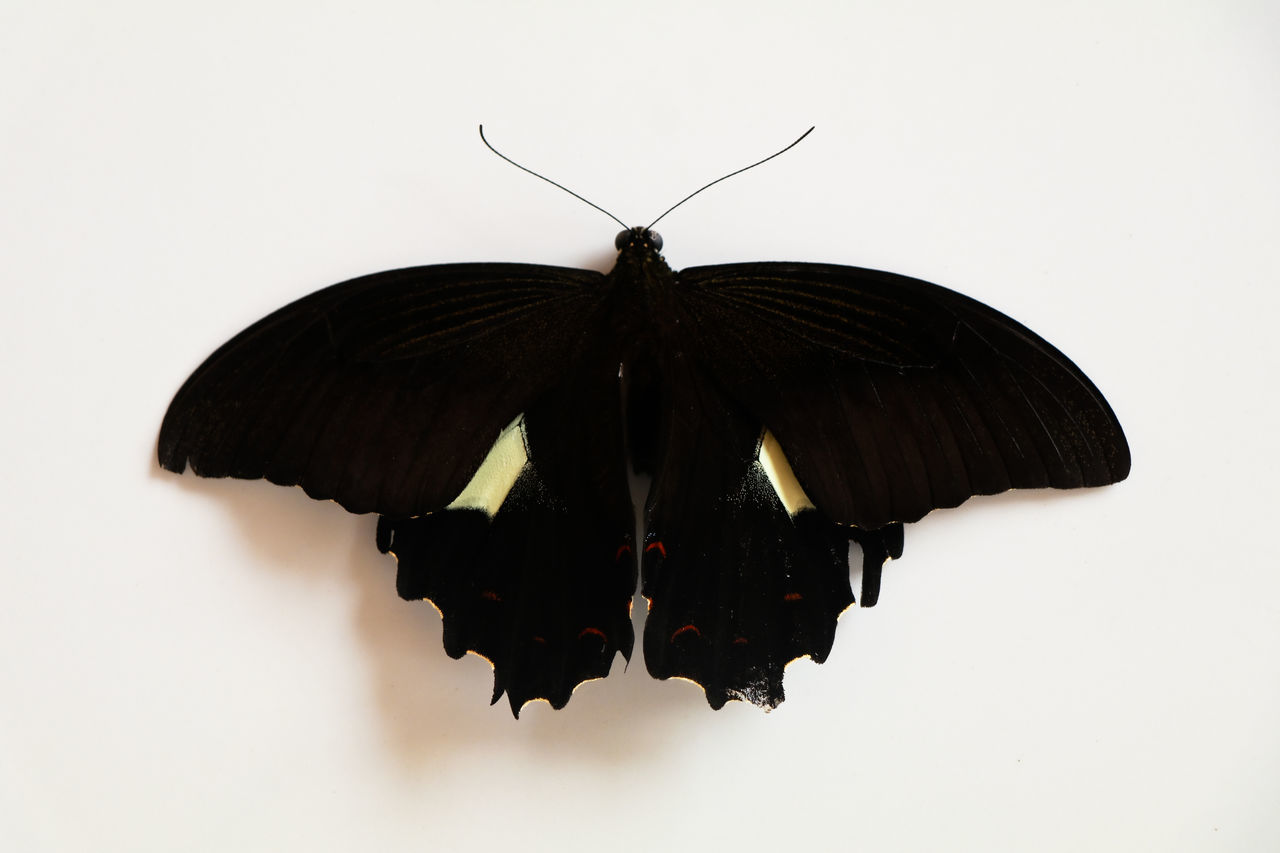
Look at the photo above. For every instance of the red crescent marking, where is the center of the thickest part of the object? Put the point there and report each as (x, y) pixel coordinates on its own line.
(596, 631)
(623, 549)
(656, 546)
(690, 627)
(792, 596)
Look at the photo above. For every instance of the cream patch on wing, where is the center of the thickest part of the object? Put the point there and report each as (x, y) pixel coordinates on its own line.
(781, 477)
(497, 473)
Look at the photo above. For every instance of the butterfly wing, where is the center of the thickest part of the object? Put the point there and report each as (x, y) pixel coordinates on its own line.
(383, 393)
(891, 396)
(809, 405)
(475, 408)
(541, 583)
(740, 580)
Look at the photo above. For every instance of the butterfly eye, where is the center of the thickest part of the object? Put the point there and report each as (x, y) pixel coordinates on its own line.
(624, 239)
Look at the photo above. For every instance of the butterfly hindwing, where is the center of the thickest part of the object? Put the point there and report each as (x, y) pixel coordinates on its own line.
(536, 575)
(742, 574)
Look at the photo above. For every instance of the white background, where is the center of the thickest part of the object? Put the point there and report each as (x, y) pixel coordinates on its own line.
(196, 665)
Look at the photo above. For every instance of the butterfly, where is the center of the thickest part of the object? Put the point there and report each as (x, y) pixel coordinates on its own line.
(487, 412)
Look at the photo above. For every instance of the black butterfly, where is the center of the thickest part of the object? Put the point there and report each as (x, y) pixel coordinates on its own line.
(486, 412)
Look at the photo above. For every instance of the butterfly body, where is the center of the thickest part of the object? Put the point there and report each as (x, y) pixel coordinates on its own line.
(487, 411)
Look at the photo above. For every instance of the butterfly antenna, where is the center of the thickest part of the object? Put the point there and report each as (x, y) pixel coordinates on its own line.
(730, 175)
(553, 183)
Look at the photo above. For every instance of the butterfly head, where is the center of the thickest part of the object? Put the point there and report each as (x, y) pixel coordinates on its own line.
(638, 240)
(640, 267)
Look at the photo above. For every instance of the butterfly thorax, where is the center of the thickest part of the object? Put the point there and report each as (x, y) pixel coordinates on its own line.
(646, 316)
(645, 321)
(643, 286)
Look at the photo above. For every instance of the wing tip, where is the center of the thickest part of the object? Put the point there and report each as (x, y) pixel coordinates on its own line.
(169, 456)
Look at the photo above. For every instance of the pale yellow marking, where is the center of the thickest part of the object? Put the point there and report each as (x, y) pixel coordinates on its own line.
(497, 473)
(781, 477)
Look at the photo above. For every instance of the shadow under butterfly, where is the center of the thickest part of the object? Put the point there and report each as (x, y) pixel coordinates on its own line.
(487, 411)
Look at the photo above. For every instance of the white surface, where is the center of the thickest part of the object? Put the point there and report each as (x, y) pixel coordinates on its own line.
(192, 665)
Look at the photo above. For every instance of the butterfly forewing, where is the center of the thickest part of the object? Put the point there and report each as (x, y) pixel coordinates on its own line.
(383, 393)
(892, 396)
